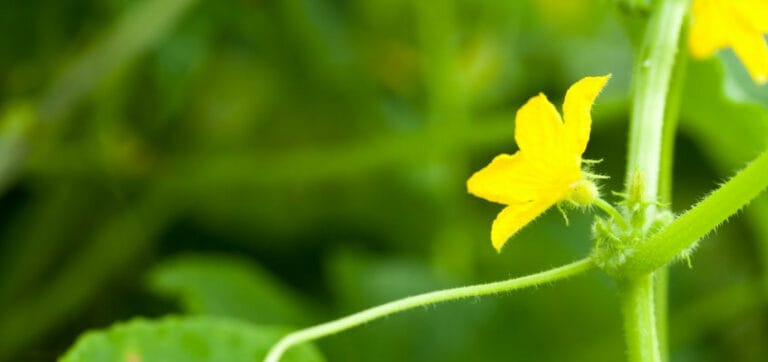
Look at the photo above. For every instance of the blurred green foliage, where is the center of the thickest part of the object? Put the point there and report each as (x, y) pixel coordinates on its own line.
(226, 286)
(312, 155)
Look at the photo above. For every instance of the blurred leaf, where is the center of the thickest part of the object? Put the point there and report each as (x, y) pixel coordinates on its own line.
(730, 132)
(227, 286)
(739, 85)
(192, 339)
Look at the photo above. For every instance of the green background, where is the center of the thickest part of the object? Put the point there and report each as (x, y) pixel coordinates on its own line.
(287, 162)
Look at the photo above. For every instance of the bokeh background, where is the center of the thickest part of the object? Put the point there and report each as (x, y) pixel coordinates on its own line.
(288, 162)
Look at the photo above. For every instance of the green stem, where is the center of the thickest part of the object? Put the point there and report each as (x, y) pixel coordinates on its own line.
(686, 230)
(661, 276)
(354, 320)
(670, 129)
(612, 212)
(651, 81)
(639, 319)
(661, 307)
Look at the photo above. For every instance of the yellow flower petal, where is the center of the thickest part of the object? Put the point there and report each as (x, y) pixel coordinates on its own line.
(754, 13)
(708, 29)
(753, 52)
(513, 218)
(739, 24)
(506, 180)
(577, 110)
(547, 168)
(539, 131)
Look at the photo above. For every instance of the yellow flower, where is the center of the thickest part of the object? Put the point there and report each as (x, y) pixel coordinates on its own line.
(547, 168)
(738, 24)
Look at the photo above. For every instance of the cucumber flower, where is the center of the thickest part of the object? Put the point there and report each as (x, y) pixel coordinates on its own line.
(739, 24)
(547, 168)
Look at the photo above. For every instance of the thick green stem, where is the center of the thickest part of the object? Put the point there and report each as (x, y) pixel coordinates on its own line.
(354, 320)
(670, 128)
(671, 115)
(661, 308)
(651, 78)
(651, 82)
(640, 320)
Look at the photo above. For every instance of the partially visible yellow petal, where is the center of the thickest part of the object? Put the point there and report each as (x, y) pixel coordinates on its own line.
(709, 28)
(539, 131)
(513, 218)
(506, 180)
(739, 24)
(753, 52)
(753, 12)
(577, 110)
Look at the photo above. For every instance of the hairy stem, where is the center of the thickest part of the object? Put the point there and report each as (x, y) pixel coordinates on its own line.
(671, 115)
(354, 320)
(686, 230)
(651, 79)
(650, 87)
(639, 319)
